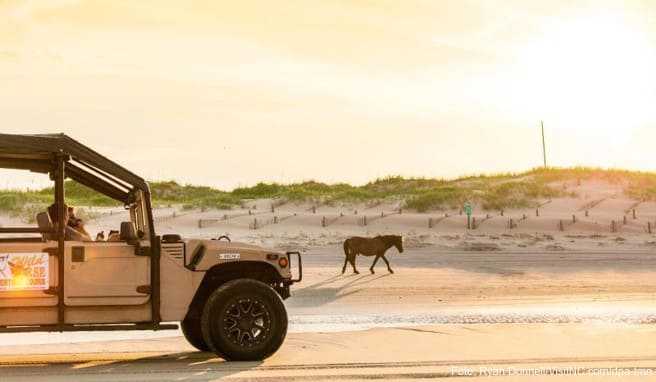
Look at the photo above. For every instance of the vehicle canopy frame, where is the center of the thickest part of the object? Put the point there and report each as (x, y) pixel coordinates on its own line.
(62, 157)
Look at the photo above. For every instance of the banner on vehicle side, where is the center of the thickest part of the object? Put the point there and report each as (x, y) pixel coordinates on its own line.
(24, 271)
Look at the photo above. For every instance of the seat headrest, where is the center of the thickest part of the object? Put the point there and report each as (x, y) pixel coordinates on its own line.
(43, 220)
(128, 232)
(44, 223)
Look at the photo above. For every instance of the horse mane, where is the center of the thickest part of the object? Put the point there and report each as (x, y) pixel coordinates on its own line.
(389, 238)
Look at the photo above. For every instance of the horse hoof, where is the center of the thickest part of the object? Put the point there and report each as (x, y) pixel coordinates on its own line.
(356, 272)
(391, 271)
(372, 271)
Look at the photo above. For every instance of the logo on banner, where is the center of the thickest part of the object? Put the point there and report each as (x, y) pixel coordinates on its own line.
(24, 271)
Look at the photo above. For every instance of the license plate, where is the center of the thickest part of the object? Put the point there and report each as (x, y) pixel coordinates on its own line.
(24, 271)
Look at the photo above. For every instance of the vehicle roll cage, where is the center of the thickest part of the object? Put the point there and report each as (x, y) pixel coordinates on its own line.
(63, 157)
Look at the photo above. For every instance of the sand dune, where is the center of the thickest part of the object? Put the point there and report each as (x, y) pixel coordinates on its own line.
(555, 224)
(578, 222)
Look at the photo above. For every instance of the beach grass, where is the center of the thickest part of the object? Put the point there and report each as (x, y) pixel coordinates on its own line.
(491, 192)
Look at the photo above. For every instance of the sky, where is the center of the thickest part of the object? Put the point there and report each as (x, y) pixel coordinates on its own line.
(227, 94)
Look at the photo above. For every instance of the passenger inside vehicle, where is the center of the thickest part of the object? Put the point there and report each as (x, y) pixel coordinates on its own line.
(74, 226)
(76, 223)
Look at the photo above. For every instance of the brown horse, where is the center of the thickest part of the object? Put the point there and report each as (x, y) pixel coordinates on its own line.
(365, 246)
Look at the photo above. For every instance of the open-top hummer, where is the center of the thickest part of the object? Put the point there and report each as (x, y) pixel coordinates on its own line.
(227, 296)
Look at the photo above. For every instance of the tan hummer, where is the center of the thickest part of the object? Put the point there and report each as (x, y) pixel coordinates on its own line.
(228, 297)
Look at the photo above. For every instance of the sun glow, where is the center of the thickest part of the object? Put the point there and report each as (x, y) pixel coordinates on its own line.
(20, 281)
(593, 72)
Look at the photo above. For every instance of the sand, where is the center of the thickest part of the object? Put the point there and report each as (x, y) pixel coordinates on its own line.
(306, 226)
(456, 294)
(444, 264)
(432, 352)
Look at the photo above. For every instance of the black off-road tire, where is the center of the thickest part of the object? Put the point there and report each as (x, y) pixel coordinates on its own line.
(193, 333)
(244, 320)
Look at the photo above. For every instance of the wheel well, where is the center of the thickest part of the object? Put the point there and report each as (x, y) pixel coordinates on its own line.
(222, 273)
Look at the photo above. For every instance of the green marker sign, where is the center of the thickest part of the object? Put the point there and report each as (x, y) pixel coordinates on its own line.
(468, 208)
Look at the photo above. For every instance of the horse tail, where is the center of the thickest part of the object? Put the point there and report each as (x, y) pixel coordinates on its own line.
(347, 248)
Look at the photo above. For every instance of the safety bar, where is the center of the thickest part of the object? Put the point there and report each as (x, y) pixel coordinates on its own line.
(26, 230)
(300, 265)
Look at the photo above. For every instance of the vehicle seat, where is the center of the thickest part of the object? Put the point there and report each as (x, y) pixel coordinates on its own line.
(44, 223)
(128, 232)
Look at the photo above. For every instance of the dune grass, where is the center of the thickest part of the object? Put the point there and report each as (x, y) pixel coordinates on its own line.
(15, 203)
(491, 192)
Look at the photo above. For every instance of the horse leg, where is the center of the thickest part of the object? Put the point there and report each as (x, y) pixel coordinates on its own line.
(374, 264)
(388, 266)
(347, 254)
(352, 260)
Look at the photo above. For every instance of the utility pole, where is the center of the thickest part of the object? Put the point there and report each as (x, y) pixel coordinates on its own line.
(544, 146)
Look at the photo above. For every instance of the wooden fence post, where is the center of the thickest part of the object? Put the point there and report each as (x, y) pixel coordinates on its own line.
(561, 226)
(624, 220)
(250, 212)
(634, 214)
(323, 221)
(511, 224)
(275, 220)
(501, 212)
(587, 213)
(400, 211)
(273, 209)
(648, 227)
(200, 223)
(573, 219)
(364, 220)
(474, 223)
(613, 227)
(314, 209)
(382, 214)
(255, 223)
(537, 212)
(430, 222)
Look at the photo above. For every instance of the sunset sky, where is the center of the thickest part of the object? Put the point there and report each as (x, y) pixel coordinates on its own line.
(228, 93)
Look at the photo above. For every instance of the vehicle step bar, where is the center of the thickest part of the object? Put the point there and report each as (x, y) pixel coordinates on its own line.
(84, 328)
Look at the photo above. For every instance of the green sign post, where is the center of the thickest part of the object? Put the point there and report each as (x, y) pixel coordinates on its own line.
(468, 210)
